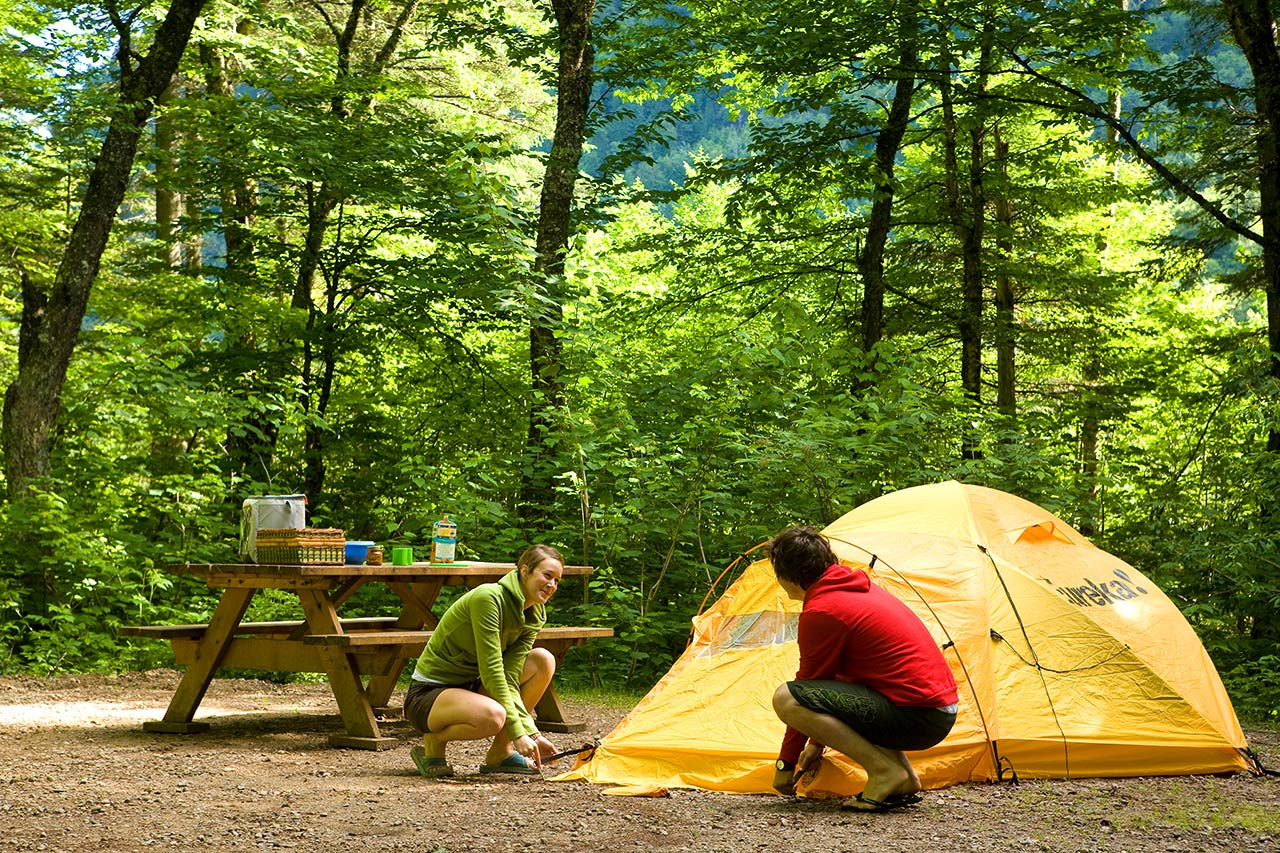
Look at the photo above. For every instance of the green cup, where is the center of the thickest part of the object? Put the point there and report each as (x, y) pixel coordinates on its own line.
(401, 555)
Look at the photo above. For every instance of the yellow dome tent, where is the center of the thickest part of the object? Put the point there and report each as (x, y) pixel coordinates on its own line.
(1070, 662)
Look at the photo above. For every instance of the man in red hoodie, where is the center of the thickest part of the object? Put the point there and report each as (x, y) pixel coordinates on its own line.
(872, 681)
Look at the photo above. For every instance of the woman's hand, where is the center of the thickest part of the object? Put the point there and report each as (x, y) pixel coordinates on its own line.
(546, 748)
(528, 747)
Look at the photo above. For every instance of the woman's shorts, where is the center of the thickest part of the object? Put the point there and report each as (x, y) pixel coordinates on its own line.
(873, 716)
(420, 697)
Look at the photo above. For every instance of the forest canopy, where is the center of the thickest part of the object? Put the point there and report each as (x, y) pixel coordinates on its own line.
(739, 267)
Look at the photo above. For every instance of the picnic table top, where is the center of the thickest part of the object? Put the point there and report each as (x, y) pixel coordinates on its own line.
(460, 569)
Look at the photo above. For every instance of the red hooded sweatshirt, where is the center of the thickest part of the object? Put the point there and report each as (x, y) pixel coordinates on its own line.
(853, 631)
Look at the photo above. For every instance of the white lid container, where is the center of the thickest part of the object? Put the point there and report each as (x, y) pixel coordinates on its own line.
(274, 511)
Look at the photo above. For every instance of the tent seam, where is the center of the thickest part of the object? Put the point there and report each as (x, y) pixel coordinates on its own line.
(1066, 753)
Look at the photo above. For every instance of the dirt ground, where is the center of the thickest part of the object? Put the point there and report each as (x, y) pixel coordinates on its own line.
(78, 773)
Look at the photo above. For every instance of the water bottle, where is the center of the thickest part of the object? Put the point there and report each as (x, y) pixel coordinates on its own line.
(444, 541)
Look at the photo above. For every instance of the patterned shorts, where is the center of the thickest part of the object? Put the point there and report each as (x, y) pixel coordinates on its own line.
(873, 716)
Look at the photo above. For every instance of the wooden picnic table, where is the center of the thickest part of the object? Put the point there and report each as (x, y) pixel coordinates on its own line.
(362, 657)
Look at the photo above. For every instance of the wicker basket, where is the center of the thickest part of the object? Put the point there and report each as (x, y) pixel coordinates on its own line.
(309, 546)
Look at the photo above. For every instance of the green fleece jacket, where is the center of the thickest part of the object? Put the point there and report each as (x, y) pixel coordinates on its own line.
(486, 634)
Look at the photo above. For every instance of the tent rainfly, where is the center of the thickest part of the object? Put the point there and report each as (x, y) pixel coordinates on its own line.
(1070, 662)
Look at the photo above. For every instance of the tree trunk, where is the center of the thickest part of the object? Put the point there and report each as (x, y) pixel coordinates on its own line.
(1090, 425)
(192, 246)
(1252, 25)
(237, 193)
(973, 228)
(320, 358)
(966, 212)
(250, 448)
(320, 207)
(317, 352)
(888, 142)
(168, 200)
(321, 350)
(575, 75)
(50, 325)
(1006, 340)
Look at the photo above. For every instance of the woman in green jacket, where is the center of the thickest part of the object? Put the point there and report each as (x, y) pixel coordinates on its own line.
(479, 674)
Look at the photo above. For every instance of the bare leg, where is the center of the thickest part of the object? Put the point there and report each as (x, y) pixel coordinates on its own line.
(915, 784)
(539, 667)
(889, 772)
(460, 714)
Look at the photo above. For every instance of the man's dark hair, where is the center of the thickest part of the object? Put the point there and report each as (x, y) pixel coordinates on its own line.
(800, 555)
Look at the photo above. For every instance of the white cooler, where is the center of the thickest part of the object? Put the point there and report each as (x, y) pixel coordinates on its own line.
(278, 511)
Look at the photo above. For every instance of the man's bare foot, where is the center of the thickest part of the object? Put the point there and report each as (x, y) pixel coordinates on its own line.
(913, 785)
(863, 803)
(907, 788)
(884, 787)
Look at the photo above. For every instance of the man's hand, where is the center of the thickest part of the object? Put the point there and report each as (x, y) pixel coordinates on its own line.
(784, 782)
(810, 758)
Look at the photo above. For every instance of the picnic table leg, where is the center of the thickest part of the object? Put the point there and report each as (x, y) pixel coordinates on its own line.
(549, 712)
(417, 599)
(382, 686)
(199, 673)
(344, 680)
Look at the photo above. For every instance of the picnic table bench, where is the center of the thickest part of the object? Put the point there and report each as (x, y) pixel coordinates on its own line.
(362, 656)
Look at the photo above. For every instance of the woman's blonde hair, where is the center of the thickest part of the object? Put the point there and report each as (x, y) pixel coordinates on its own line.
(536, 555)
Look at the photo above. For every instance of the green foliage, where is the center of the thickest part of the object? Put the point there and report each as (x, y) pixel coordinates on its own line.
(716, 385)
(70, 585)
(1252, 684)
